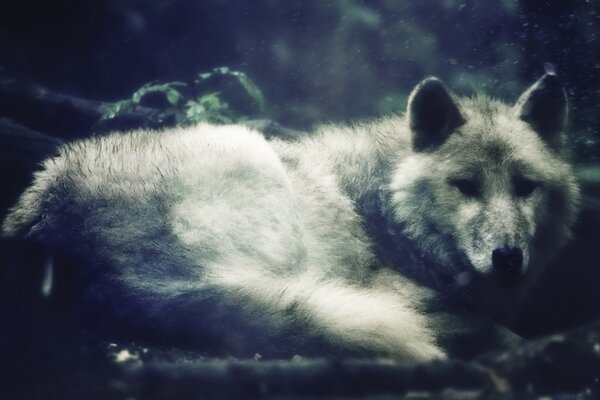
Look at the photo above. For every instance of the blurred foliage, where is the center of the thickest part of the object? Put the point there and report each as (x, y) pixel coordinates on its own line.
(314, 60)
(177, 103)
(249, 87)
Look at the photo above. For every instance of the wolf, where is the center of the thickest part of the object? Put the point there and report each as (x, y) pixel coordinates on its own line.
(389, 237)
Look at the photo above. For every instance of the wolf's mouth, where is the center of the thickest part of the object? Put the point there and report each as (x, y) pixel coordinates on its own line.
(506, 268)
(507, 262)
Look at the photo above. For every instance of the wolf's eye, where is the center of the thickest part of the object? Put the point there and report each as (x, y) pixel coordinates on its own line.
(525, 187)
(468, 187)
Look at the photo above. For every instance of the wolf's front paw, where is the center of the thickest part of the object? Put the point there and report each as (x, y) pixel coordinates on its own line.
(410, 347)
(432, 353)
(422, 352)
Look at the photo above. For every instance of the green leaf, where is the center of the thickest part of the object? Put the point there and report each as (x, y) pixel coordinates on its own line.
(248, 86)
(251, 89)
(172, 95)
(209, 105)
(210, 108)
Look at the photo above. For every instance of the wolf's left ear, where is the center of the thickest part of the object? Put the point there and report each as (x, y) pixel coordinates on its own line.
(544, 107)
(432, 114)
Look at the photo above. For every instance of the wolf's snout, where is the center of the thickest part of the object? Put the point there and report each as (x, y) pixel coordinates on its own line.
(508, 260)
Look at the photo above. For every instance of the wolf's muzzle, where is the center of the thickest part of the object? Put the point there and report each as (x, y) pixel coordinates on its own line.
(508, 261)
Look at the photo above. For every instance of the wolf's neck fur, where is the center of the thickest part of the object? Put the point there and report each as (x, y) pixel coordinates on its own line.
(363, 168)
(363, 164)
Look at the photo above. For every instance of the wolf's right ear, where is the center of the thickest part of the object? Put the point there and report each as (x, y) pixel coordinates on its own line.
(432, 114)
(544, 107)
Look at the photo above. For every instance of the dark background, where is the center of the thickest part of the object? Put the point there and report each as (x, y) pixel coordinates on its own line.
(314, 61)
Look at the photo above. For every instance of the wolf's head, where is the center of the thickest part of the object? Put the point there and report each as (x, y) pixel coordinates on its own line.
(487, 183)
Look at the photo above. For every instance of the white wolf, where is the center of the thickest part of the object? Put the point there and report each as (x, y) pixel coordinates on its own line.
(346, 240)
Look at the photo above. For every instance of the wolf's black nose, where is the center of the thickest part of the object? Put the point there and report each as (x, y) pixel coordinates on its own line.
(507, 260)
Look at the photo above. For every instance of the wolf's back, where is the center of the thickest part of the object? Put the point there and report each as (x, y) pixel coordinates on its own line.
(159, 189)
(198, 234)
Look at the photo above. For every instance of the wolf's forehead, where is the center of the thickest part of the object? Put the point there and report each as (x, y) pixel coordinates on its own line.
(493, 140)
(486, 117)
(490, 152)
(495, 128)
(482, 107)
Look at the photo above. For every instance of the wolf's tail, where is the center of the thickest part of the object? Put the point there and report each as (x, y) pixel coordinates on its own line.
(371, 319)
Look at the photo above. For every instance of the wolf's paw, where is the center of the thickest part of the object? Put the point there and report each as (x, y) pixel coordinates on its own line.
(422, 352)
(431, 352)
(412, 347)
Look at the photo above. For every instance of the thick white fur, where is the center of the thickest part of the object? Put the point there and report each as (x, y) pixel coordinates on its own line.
(271, 236)
(281, 227)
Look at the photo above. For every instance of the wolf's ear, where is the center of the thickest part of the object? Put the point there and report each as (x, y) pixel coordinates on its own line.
(544, 107)
(432, 114)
